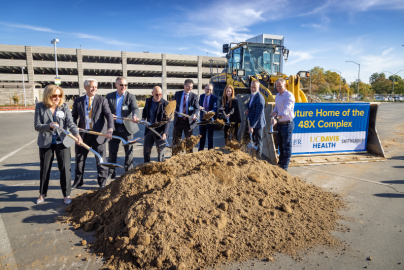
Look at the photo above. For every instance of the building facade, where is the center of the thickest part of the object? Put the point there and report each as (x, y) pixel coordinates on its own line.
(272, 39)
(142, 70)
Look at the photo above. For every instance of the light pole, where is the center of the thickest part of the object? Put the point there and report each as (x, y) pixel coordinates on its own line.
(359, 71)
(340, 81)
(54, 41)
(310, 82)
(23, 85)
(394, 79)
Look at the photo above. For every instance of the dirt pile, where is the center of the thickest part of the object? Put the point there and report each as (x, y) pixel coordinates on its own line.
(208, 115)
(204, 209)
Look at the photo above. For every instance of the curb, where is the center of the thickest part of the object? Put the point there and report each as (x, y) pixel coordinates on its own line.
(18, 111)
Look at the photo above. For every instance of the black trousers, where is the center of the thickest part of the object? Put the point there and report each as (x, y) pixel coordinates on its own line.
(81, 156)
(234, 133)
(113, 147)
(257, 139)
(202, 131)
(63, 157)
(182, 126)
(149, 141)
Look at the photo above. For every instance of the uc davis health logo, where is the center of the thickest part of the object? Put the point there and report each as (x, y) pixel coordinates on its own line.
(297, 143)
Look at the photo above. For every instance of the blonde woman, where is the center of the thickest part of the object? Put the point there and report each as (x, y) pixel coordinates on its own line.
(51, 112)
(230, 111)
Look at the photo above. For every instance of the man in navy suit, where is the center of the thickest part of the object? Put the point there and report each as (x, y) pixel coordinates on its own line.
(256, 116)
(187, 103)
(207, 102)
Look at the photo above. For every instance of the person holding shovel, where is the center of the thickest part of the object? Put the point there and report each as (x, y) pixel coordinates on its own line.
(153, 112)
(231, 112)
(283, 113)
(256, 116)
(208, 103)
(51, 112)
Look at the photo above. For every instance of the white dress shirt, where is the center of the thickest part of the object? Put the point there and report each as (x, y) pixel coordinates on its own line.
(284, 106)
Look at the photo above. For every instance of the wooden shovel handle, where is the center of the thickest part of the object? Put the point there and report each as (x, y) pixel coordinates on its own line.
(96, 133)
(82, 144)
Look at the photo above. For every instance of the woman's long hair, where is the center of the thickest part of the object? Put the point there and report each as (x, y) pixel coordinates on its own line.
(48, 92)
(224, 97)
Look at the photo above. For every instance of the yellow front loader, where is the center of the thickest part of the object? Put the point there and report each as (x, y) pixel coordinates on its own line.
(248, 62)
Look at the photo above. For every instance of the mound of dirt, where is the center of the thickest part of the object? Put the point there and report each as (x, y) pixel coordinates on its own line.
(204, 209)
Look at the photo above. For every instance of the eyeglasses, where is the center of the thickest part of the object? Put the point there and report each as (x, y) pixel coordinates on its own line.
(55, 96)
(124, 85)
(158, 95)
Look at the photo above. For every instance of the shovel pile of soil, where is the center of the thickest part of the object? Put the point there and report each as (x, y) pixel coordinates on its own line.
(186, 144)
(204, 209)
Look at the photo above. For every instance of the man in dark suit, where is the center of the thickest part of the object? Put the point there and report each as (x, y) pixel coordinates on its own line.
(187, 103)
(256, 116)
(154, 112)
(122, 104)
(92, 110)
(207, 102)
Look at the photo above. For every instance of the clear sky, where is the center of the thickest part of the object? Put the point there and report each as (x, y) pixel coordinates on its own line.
(317, 33)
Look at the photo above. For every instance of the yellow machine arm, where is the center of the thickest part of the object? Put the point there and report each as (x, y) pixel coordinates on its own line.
(292, 85)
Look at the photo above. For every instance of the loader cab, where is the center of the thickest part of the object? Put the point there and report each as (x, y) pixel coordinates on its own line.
(253, 58)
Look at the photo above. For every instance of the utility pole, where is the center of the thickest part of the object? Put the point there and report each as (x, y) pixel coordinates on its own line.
(359, 71)
(394, 79)
(23, 85)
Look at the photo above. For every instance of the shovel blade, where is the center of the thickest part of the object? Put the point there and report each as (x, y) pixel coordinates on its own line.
(110, 165)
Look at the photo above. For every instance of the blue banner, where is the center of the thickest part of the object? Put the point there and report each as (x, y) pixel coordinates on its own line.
(330, 127)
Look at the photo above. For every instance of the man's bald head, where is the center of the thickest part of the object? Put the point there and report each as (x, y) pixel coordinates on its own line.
(157, 93)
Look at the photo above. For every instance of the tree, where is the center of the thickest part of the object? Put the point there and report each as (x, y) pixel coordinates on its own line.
(376, 76)
(395, 78)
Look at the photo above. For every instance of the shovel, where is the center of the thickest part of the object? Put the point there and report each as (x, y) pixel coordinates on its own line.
(251, 145)
(97, 156)
(158, 134)
(272, 127)
(113, 136)
(187, 116)
(143, 122)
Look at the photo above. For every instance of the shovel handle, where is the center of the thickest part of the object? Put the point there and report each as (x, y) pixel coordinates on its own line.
(82, 144)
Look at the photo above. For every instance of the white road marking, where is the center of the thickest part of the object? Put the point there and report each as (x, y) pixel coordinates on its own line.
(12, 153)
(5, 247)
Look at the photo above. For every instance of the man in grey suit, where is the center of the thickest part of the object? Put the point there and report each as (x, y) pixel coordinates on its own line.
(187, 103)
(122, 104)
(92, 110)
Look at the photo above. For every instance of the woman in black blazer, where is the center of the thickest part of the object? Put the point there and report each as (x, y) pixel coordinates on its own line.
(51, 112)
(230, 111)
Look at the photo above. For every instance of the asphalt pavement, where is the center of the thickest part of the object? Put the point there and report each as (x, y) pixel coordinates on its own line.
(31, 237)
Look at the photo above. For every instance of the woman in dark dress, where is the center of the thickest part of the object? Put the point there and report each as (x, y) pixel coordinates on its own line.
(230, 111)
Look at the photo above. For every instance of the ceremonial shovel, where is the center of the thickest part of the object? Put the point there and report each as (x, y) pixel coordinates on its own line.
(251, 144)
(272, 127)
(113, 136)
(98, 157)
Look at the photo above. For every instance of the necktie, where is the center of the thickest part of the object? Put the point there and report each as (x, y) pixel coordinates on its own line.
(90, 113)
(205, 104)
(184, 106)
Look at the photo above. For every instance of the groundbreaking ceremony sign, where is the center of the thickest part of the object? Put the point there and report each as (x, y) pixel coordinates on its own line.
(330, 128)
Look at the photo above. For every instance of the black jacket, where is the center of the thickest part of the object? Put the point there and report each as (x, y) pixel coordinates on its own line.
(129, 101)
(160, 116)
(233, 111)
(193, 107)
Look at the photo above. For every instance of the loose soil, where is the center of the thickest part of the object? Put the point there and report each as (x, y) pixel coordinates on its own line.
(208, 115)
(186, 144)
(203, 209)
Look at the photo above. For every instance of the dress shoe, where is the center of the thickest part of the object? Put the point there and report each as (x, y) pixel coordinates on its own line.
(76, 186)
(101, 187)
